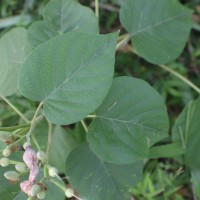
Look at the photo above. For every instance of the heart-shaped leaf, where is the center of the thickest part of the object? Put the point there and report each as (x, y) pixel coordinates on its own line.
(61, 16)
(132, 118)
(14, 49)
(159, 28)
(71, 74)
(96, 179)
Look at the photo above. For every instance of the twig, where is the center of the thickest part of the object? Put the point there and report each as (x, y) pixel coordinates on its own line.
(15, 109)
(33, 122)
(179, 76)
(106, 7)
(124, 41)
(50, 133)
(188, 82)
(13, 128)
(97, 8)
(84, 126)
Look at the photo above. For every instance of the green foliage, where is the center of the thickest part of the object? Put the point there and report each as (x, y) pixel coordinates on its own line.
(77, 77)
(158, 184)
(132, 113)
(67, 140)
(153, 27)
(186, 132)
(14, 49)
(61, 16)
(99, 179)
(98, 135)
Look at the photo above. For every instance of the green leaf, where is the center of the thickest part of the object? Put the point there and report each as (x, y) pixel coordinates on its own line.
(70, 83)
(195, 179)
(159, 28)
(186, 132)
(40, 32)
(62, 16)
(166, 151)
(131, 119)
(96, 179)
(14, 48)
(63, 142)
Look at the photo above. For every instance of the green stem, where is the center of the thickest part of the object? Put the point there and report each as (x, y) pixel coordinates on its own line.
(50, 133)
(15, 109)
(188, 82)
(33, 122)
(13, 162)
(23, 131)
(45, 171)
(121, 37)
(13, 128)
(179, 76)
(17, 141)
(97, 8)
(84, 126)
(123, 41)
(35, 142)
(15, 133)
(91, 116)
(62, 187)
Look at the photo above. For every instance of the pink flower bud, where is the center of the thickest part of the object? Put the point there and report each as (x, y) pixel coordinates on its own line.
(26, 187)
(33, 174)
(31, 160)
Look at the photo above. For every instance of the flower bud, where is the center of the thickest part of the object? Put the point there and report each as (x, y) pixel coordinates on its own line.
(6, 152)
(21, 168)
(41, 195)
(26, 187)
(41, 156)
(26, 144)
(12, 176)
(69, 192)
(35, 190)
(53, 172)
(4, 137)
(4, 162)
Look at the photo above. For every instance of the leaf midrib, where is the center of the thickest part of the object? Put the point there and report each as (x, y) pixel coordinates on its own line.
(128, 122)
(78, 69)
(160, 23)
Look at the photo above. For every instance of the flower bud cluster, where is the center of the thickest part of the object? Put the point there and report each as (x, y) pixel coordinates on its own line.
(4, 137)
(32, 161)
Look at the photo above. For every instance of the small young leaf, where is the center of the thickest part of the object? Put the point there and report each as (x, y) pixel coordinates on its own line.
(132, 118)
(96, 179)
(71, 74)
(159, 28)
(62, 16)
(14, 49)
(186, 132)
